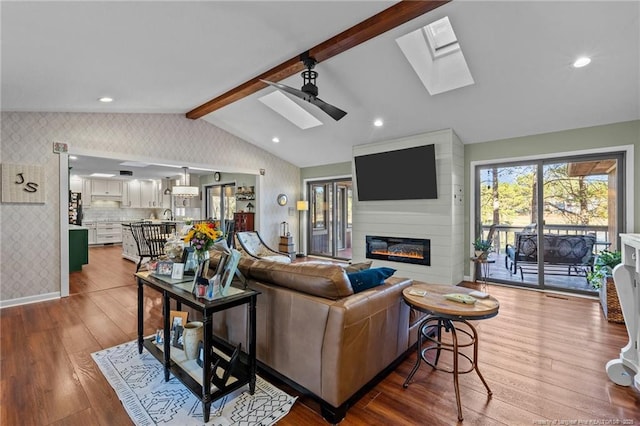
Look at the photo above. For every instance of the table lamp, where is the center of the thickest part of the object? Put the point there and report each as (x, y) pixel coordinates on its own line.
(301, 206)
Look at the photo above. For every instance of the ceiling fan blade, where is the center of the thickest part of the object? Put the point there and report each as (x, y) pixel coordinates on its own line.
(291, 90)
(335, 112)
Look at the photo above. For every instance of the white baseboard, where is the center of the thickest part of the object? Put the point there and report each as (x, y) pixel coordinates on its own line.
(29, 299)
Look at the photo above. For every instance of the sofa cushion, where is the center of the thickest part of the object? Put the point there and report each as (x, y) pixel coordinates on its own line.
(357, 267)
(323, 280)
(369, 278)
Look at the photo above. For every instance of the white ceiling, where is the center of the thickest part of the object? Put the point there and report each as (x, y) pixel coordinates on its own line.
(169, 57)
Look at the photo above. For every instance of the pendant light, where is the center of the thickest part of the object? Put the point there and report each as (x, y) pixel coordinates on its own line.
(167, 190)
(185, 190)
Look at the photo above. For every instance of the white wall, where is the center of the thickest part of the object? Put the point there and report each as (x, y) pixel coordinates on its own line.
(30, 233)
(440, 220)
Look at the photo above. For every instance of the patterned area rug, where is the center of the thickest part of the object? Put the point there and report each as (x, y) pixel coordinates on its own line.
(149, 400)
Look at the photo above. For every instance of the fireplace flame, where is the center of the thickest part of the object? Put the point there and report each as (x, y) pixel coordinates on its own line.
(398, 254)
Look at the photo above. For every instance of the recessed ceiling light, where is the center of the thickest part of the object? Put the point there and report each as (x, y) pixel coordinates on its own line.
(582, 61)
(378, 122)
(106, 99)
(73, 157)
(275, 140)
(102, 174)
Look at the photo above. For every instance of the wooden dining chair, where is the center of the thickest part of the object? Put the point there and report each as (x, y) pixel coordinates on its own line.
(150, 241)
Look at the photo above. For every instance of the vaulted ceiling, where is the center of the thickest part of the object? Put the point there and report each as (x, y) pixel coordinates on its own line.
(171, 57)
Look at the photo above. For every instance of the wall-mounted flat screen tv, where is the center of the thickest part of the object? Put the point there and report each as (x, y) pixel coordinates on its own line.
(403, 174)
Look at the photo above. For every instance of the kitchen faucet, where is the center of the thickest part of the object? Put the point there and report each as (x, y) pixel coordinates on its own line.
(170, 213)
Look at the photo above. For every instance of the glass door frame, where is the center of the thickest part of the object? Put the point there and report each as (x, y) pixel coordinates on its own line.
(335, 216)
(207, 201)
(624, 199)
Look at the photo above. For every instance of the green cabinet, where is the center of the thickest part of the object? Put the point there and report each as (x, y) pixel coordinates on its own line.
(78, 249)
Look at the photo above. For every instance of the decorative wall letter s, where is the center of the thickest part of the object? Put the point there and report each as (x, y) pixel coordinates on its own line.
(22, 183)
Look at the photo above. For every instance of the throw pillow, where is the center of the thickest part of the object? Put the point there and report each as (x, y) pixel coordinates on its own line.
(357, 267)
(369, 278)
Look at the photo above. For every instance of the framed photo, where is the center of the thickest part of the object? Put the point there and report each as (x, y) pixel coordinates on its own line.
(177, 339)
(229, 272)
(200, 358)
(159, 336)
(164, 268)
(177, 273)
(189, 260)
(177, 319)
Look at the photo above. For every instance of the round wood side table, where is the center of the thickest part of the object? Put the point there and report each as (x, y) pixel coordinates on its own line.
(450, 315)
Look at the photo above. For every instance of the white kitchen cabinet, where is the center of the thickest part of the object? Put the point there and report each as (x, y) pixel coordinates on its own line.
(149, 194)
(106, 187)
(75, 184)
(166, 201)
(86, 196)
(91, 226)
(131, 194)
(109, 232)
(129, 248)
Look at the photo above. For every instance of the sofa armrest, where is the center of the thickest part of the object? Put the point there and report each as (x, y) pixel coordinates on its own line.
(365, 333)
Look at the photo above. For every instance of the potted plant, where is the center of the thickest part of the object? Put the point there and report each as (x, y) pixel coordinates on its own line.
(602, 280)
(481, 247)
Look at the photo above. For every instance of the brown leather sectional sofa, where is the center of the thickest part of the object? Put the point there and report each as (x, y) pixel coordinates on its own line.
(317, 335)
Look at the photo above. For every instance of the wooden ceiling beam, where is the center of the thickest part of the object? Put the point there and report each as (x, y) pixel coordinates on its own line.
(380, 23)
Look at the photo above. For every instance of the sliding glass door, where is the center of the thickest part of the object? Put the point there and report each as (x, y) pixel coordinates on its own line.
(329, 232)
(551, 218)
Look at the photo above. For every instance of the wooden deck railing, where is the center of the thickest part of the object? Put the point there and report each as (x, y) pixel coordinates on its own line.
(505, 234)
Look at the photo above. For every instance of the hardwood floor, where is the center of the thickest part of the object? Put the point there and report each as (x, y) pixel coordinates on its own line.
(543, 357)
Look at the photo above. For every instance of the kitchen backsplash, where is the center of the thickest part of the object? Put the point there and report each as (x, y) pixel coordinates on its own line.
(111, 211)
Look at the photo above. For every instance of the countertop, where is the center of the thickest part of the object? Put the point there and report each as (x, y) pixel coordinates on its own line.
(77, 227)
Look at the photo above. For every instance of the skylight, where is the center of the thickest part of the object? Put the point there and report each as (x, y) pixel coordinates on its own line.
(290, 110)
(435, 54)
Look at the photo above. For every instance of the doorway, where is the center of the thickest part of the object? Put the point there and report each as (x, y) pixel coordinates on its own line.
(330, 218)
(220, 202)
(552, 218)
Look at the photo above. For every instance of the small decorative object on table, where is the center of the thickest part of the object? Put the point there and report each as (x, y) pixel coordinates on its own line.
(191, 336)
(482, 248)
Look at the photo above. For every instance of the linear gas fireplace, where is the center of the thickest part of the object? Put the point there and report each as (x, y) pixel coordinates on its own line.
(395, 249)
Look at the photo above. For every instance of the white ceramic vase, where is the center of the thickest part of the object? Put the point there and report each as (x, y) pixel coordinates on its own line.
(191, 336)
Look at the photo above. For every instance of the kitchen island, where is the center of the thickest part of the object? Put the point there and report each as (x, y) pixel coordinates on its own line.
(78, 247)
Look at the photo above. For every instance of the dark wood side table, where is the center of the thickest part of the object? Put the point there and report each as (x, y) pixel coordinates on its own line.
(443, 313)
(244, 370)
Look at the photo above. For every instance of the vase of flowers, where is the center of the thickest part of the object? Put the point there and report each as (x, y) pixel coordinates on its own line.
(202, 236)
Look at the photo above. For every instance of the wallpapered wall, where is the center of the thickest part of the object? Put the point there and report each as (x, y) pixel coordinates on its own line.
(29, 233)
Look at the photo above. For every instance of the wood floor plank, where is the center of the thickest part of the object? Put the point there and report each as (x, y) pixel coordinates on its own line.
(543, 356)
(106, 407)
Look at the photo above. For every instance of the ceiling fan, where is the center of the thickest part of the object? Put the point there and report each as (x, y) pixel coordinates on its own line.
(309, 91)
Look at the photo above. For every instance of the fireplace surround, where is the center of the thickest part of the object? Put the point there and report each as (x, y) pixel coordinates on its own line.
(399, 249)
